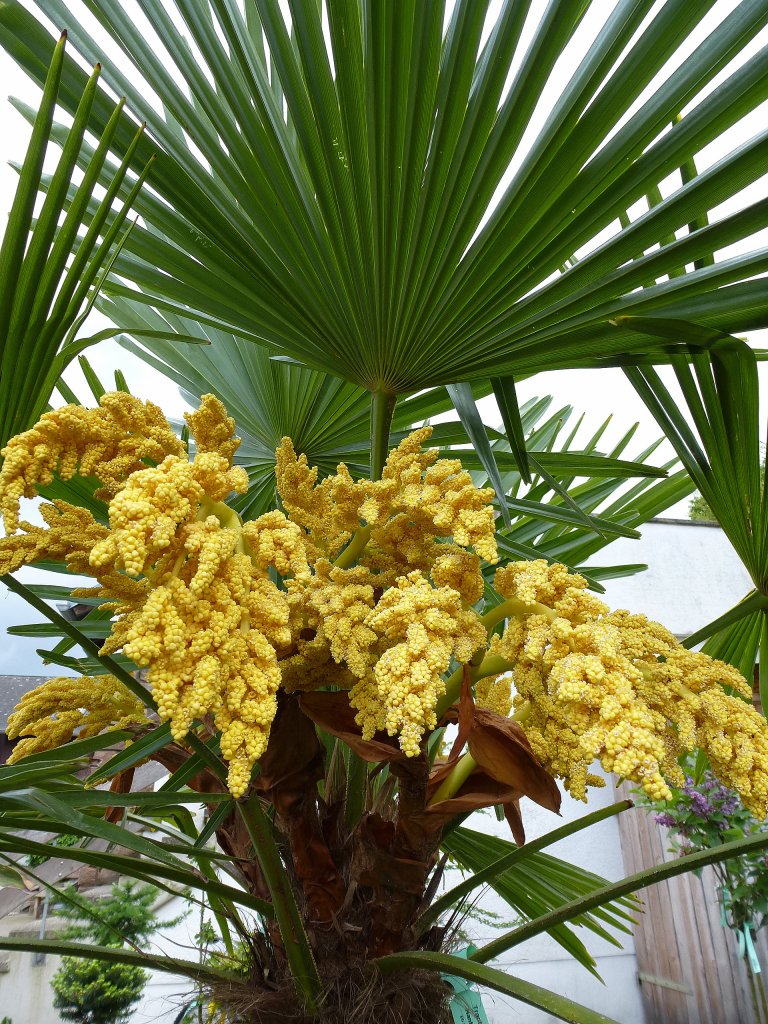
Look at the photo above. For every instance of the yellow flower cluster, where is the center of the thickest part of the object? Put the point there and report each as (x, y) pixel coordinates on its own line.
(274, 540)
(212, 652)
(337, 604)
(422, 628)
(436, 495)
(64, 708)
(494, 693)
(71, 535)
(616, 687)
(109, 443)
(419, 499)
(203, 619)
(328, 511)
(212, 429)
(146, 513)
(210, 622)
(368, 586)
(389, 625)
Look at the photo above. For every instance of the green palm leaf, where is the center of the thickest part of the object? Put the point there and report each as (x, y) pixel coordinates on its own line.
(53, 264)
(328, 420)
(613, 890)
(351, 230)
(719, 444)
(534, 995)
(538, 884)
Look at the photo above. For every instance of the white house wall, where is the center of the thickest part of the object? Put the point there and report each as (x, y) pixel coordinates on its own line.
(26, 996)
(693, 574)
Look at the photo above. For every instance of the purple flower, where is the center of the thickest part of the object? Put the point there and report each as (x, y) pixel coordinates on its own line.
(701, 805)
(665, 819)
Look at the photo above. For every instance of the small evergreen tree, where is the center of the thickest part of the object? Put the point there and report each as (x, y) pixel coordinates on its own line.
(699, 510)
(91, 992)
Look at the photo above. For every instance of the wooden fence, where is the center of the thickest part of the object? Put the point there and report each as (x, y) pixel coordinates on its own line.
(688, 966)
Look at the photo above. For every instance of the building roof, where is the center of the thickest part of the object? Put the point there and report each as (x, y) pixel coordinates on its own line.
(12, 689)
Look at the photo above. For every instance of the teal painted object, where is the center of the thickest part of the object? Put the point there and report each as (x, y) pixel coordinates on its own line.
(466, 1004)
(746, 947)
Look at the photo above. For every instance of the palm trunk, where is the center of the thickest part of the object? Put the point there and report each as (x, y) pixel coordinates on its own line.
(358, 892)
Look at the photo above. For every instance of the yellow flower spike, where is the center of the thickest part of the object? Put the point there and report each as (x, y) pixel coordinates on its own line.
(422, 627)
(212, 429)
(307, 505)
(65, 707)
(275, 541)
(145, 515)
(71, 534)
(617, 687)
(538, 582)
(494, 693)
(267, 608)
(436, 494)
(109, 443)
(459, 570)
(341, 600)
(216, 477)
(345, 496)
(400, 545)
(208, 639)
(397, 518)
(212, 546)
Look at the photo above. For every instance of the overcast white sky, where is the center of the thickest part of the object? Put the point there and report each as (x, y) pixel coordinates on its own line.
(598, 393)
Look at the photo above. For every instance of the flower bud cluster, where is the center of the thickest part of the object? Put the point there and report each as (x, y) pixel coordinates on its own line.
(146, 513)
(109, 443)
(70, 537)
(422, 627)
(65, 708)
(616, 687)
(368, 586)
(494, 693)
(437, 495)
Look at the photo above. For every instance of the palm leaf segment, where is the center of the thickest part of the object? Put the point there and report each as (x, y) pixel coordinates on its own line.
(335, 203)
(46, 291)
(719, 442)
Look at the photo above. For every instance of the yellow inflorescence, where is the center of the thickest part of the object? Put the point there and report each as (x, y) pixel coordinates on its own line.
(421, 628)
(109, 443)
(337, 604)
(494, 693)
(274, 540)
(65, 707)
(459, 570)
(309, 505)
(212, 429)
(616, 687)
(71, 535)
(436, 495)
(368, 586)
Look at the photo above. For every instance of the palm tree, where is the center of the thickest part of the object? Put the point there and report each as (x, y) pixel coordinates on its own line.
(350, 193)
